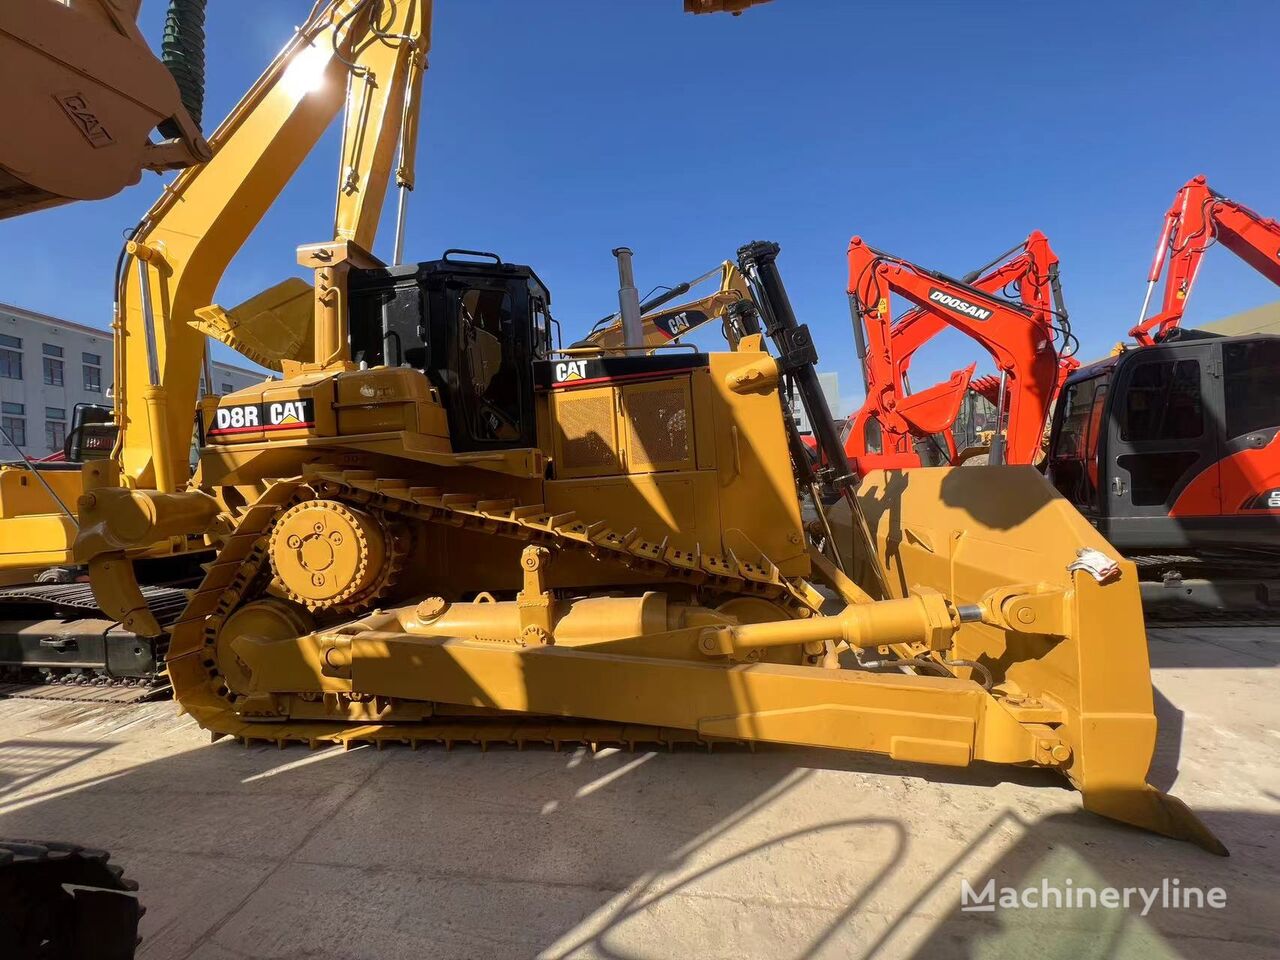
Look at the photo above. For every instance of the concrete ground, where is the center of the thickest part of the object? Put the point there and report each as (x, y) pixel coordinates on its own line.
(262, 853)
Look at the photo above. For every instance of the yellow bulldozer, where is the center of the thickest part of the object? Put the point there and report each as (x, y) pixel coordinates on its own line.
(440, 525)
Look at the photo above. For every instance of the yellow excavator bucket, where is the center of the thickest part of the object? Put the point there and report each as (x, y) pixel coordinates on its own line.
(83, 95)
(275, 325)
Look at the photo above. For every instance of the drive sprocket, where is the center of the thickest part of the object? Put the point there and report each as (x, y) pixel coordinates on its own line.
(330, 556)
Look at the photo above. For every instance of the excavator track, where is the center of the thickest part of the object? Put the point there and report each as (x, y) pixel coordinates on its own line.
(243, 564)
(58, 644)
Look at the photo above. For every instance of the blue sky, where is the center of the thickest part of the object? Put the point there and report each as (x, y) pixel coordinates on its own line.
(942, 131)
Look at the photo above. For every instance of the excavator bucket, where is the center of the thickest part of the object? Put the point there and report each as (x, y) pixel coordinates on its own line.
(278, 324)
(83, 93)
(734, 7)
(1074, 663)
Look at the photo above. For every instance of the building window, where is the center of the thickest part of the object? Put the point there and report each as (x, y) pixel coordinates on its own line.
(55, 428)
(228, 388)
(52, 365)
(10, 357)
(13, 419)
(92, 372)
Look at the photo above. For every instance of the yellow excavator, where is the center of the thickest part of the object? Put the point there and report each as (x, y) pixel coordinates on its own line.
(664, 325)
(441, 526)
(164, 313)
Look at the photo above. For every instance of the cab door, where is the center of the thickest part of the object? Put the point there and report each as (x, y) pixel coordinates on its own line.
(1165, 430)
(493, 400)
(1075, 444)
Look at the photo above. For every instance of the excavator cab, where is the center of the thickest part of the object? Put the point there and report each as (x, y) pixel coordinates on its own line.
(474, 328)
(1174, 446)
(92, 435)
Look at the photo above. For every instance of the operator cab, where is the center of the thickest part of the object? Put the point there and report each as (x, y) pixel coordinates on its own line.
(473, 325)
(1175, 445)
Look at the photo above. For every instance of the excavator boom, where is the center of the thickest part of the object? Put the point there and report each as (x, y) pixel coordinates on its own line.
(1198, 218)
(1019, 337)
(664, 324)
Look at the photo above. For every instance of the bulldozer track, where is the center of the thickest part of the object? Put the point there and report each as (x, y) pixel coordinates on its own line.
(243, 563)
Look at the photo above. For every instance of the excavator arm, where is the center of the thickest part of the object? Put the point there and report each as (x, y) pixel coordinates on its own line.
(932, 411)
(366, 55)
(663, 324)
(1198, 218)
(1034, 271)
(1015, 335)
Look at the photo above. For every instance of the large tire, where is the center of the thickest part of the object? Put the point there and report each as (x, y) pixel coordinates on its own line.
(59, 901)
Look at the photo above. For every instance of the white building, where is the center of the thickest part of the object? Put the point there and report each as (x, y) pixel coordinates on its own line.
(48, 365)
(831, 390)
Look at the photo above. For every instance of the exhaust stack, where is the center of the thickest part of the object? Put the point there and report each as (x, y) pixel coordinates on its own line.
(628, 300)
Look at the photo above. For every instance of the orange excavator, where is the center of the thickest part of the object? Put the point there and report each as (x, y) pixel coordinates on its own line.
(1012, 306)
(1172, 449)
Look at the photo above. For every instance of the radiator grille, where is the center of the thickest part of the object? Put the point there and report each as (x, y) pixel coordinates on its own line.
(586, 426)
(659, 420)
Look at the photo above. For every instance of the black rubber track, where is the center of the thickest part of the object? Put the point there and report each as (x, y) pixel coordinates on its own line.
(59, 901)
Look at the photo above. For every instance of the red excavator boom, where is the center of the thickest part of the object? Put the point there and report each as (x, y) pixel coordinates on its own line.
(1200, 217)
(1019, 336)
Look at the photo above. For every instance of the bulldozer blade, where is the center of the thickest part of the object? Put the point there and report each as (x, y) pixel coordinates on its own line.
(1150, 809)
(1076, 662)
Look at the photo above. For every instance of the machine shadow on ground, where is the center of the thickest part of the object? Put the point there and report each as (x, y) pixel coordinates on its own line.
(259, 852)
(1226, 649)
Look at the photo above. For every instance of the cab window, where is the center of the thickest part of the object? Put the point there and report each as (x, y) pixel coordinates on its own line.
(1073, 465)
(490, 364)
(1252, 397)
(1163, 402)
(542, 343)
